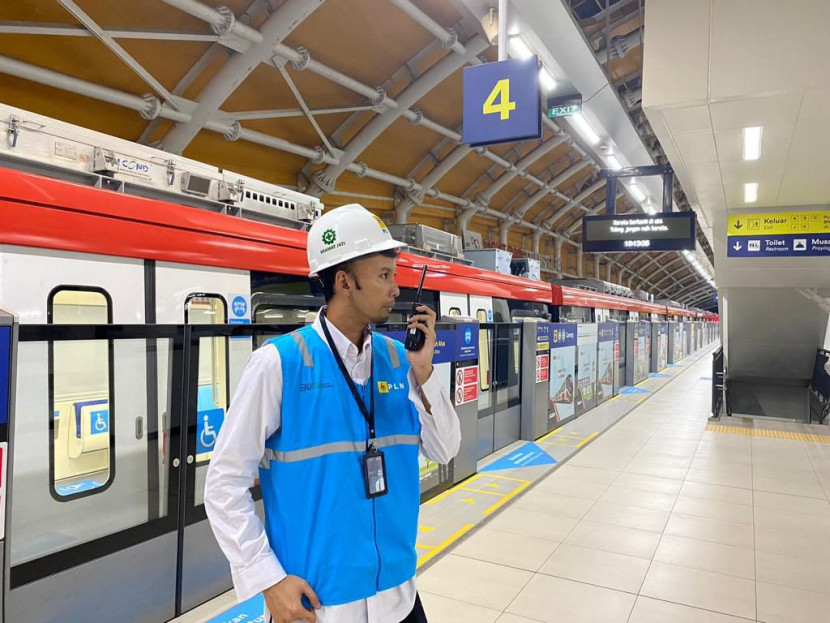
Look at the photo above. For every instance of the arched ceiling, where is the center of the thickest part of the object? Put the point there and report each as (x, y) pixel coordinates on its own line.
(350, 100)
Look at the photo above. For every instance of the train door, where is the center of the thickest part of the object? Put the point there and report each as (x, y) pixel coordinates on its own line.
(499, 401)
(93, 512)
(202, 296)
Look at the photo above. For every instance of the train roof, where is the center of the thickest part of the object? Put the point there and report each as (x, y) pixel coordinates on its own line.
(45, 212)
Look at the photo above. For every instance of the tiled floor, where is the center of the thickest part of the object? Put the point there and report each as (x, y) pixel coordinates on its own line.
(656, 521)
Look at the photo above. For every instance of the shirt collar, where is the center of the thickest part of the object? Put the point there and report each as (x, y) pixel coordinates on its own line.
(345, 347)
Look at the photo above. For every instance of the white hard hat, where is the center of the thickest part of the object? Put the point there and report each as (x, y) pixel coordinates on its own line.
(346, 233)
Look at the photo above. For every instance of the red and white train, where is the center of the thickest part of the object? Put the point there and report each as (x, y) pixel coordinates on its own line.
(135, 276)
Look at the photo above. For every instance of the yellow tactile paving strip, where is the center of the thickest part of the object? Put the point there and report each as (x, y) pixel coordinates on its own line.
(771, 434)
(483, 493)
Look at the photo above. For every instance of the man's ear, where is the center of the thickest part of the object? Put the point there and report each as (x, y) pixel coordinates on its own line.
(343, 282)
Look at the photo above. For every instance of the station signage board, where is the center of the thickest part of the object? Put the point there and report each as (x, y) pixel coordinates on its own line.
(779, 234)
(639, 232)
(502, 102)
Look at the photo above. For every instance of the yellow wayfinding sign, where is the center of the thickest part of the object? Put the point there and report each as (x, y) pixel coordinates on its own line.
(779, 223)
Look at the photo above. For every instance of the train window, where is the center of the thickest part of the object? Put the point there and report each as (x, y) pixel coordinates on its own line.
(454, 311)
(571, 313)
(282, 314)
(501, 310)
(82, 441)
(483, 352)
(280, 202)
(247, 194)
(212, 396)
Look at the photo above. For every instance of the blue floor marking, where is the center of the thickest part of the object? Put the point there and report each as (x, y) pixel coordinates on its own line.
(529, 455)
(658, 375)
(634, 390)
(251, 611)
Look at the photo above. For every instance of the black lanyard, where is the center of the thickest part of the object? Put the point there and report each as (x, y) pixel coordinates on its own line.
(368, 414)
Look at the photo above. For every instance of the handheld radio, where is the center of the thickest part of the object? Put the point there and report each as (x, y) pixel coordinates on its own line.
(415, 338)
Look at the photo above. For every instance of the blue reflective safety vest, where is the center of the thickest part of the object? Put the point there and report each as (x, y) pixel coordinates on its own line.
(319, 522)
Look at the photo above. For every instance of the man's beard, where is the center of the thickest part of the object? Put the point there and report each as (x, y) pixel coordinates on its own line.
(381, 317)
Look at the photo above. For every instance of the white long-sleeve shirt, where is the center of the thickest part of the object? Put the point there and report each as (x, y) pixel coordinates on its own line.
(255, 415)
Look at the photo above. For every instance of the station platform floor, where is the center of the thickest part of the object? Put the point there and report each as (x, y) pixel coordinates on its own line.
(658, 515)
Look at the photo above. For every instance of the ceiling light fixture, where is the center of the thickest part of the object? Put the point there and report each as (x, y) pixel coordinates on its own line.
(584, 128)
(751, 192)
(637, 193)
(613, 163)
(518, 48)
(546, 80)
(752, 142)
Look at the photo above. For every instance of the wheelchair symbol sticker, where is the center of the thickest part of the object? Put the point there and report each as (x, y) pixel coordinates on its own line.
(99, 422)
(209, 423)
(208, 436)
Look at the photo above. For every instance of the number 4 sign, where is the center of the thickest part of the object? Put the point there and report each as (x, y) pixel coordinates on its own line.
(502, 102)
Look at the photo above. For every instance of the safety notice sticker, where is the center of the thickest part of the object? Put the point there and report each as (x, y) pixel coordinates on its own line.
(466, 385)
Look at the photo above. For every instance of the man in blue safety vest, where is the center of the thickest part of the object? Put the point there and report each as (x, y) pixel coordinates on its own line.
(331, 418)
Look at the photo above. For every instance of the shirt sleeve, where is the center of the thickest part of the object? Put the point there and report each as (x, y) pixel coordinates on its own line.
(440, 430)
(254, 415)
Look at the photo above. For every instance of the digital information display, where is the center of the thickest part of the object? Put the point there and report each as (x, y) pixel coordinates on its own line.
(639, 232)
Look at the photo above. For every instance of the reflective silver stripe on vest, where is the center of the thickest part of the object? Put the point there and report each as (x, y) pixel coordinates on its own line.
(397, 440)
(308, 362)
(393, 353)
(293, 456)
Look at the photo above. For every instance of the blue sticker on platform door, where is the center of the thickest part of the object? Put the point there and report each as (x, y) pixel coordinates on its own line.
(207, 428)
(529, 455)
(468, 343)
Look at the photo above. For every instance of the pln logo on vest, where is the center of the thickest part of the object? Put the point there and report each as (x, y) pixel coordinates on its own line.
(385, 388)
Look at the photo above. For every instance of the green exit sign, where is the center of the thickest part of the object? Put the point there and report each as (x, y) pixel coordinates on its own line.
(564, 111)
(564, 106)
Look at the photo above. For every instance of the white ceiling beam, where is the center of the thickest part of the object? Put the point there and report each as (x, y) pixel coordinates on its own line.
(68, 30)
(324, 180)
(116, 49)
(275, 29)
(447, 37)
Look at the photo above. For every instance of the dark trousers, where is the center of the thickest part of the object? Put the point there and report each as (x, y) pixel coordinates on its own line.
(417, 615)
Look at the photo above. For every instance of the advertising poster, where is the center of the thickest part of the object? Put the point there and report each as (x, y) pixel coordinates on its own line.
(586, 384)
(662, 346)
(562, 372)
(606, 363)
(642, 354)
(678, 342)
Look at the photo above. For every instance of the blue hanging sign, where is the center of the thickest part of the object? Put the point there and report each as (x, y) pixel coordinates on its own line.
(502, 102)
(782, 245)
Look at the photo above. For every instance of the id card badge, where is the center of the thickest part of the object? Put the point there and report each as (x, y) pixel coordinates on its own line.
(374, 473)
